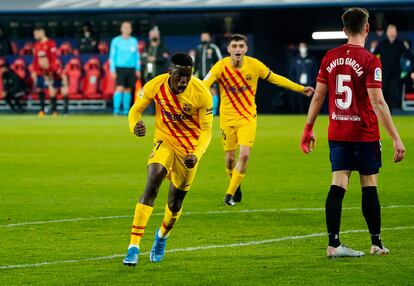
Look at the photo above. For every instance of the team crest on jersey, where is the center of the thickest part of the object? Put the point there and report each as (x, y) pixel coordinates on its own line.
(187, 107)
(378, 74)
(248, 77)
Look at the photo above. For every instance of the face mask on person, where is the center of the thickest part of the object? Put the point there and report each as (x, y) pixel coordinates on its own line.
(303, 51)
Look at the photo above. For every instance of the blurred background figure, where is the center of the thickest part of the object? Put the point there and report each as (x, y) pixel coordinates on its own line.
(154, 59)
(5, 45)
(377, 34)
(192, 54)
(88, 41)
(45, 73)
(390, 50)
(125, 67)
(13, 88)
(303, 70)
(207, 54)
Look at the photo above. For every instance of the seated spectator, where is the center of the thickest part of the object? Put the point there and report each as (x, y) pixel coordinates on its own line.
(13, 88)
(88, 42)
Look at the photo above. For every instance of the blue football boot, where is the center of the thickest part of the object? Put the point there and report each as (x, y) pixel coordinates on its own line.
(131, 259)
(158, 248)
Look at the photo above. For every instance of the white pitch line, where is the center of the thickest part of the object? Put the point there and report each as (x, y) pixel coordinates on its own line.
(196, 248)
(186, 213)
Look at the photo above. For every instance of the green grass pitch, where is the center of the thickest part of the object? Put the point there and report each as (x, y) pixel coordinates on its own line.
(91, 167)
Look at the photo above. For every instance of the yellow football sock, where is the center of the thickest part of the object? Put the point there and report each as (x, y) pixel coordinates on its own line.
(169, 220)
(141, 217)
(236, 179)
(229, 172)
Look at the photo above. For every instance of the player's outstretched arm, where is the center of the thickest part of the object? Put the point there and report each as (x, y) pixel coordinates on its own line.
(136, 125)
(308, 138)
(206, 126)
(288, 84)
(383, 113)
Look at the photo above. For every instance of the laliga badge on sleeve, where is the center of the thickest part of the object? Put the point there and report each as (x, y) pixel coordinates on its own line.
(378, 74)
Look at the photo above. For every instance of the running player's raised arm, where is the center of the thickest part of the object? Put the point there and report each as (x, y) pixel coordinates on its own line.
(205, 113)
(135, 113)
(267, 74)
(211, 77)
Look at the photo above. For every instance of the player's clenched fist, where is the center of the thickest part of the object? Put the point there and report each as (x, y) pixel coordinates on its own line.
(140, 129)
(308, 91)
(190, 161)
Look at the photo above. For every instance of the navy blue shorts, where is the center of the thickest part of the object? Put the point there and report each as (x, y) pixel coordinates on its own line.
(41, 83)
(364, 157)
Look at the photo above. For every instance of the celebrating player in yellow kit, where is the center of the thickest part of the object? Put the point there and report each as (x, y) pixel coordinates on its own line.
(183, 132)
(237, 76)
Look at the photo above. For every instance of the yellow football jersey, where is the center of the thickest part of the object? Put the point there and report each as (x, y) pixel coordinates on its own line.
(238, 88)
(180, 118)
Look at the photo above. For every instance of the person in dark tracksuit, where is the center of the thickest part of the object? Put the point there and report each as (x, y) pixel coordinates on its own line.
(207, 54)
(304, 69)
(390, 51)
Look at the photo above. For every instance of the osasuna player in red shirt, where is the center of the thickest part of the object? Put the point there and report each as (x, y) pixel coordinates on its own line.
(46, 73)
(352, 78)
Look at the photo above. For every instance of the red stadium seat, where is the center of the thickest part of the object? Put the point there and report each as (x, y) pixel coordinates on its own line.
(27, 49)
(107, 83)
(90, 82)
(2, 61)
(141, 46)
(103, 47)
(73, 71)
(19, 67)
(65, 49)
(409, 96)
(15, 49)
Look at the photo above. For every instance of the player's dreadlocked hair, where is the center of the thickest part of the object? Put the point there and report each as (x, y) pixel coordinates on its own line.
(354, 20)
(182, 59)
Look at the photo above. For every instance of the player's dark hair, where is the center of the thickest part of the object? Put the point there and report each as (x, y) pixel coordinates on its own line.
(237, 37)
(126, 22)
(39, 28)
(182, 59)
(354, 20)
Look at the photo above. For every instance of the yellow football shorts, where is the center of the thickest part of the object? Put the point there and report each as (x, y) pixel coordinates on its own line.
(181, 177)
(243, 134)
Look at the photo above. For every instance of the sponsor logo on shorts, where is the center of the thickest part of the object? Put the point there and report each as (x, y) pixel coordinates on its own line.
(209, 111)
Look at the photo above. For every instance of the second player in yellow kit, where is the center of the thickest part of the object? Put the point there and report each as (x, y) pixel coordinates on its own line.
(183, 132)
(238, 76)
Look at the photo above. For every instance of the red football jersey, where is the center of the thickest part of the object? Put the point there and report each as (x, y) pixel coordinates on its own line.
(348, 71)
(45, 49)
